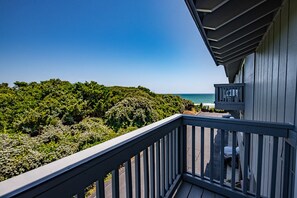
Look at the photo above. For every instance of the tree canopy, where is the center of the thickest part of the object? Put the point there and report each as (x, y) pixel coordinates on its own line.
(42, 122)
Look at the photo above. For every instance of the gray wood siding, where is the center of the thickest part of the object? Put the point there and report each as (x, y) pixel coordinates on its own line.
(249, 86)
(270, 77)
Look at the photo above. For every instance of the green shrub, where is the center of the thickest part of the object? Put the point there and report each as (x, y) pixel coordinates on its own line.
(46, 121)
(131, 112)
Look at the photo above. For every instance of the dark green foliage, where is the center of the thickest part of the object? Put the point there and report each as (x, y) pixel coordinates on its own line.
(20, 152)
(136, 111)
(43, 122)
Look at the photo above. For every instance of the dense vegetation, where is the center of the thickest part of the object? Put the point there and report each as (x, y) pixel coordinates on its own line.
(43, 122)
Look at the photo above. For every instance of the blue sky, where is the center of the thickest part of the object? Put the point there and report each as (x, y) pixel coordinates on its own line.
(151, 43)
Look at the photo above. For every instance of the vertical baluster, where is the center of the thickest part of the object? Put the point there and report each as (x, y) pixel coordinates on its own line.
(145, 173)
(128, 178)
(193, 150)
(166, 163)
(238, 94)
(274, 164)
(100, 190)
(170, 159)
(245, 165)
(162, 175)
(137, 176)
(233, 159)
(202, 153)
(183, 149)
(216, 94)
(222, 156)
(211, 155)
(233, 89)
(225, 90)
(259, 165)
(115, 183)
(173, 155)
(158, 169)
(241, 94)
(152, 171)
(176, 152)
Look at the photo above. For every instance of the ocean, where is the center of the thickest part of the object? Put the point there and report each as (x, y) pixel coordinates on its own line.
(198, 98)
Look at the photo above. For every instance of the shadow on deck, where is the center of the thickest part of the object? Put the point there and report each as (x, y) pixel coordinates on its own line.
(187, 190)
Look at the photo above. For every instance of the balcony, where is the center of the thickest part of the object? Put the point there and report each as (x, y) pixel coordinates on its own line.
(229, 96)
(173, 157)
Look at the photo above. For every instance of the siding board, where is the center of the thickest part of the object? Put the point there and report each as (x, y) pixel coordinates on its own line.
(283, 63)
(275, 71)
(265, 72)
(276, 93)
(249, 86)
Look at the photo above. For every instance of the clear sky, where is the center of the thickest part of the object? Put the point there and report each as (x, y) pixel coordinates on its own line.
(152, 43)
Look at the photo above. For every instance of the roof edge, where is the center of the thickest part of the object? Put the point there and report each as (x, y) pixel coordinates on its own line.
(191, 7)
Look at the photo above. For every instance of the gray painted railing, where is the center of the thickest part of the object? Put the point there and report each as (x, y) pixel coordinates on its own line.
(229, 96)
(220, 133)
(152, 162)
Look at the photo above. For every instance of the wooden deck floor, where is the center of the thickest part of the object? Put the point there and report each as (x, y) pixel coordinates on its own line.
(187, 190)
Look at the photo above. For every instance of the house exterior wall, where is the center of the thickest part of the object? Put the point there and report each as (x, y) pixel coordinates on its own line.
(270, 77)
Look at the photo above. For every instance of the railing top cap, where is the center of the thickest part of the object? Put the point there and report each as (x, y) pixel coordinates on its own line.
(263, 124)
(230, 85)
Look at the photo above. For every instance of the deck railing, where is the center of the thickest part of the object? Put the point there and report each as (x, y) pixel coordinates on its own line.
(229, 96)
(152, 162)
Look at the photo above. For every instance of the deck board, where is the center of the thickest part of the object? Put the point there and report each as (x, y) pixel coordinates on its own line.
(195, 192)
(208, 194)
(183, 190)
(187, 190)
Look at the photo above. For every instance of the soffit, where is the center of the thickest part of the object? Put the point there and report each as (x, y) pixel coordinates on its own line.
(232, 29)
